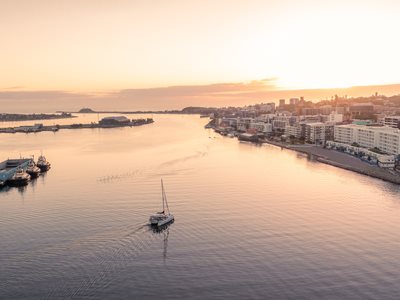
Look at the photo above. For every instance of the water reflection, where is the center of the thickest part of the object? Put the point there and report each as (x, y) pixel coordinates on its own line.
(164, 231)
(24, 188)
(4, 188)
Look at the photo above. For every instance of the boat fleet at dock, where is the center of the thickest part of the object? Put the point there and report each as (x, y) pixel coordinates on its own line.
(18, 172)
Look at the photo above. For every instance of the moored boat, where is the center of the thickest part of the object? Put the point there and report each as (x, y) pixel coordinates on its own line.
(164, 217)
(248, 137)
(20, 178)
(33, 170)
(9, 167)
(43, 164)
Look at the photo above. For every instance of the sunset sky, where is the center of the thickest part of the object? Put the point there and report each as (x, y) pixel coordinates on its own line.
(101, 45)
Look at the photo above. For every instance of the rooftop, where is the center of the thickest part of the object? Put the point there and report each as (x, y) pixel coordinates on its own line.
(117, 118)
(375, 128)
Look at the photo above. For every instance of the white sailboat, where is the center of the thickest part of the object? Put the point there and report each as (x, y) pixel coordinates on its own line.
(164, 217)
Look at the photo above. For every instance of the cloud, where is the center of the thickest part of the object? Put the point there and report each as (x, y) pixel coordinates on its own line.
(35, 95)
(172, 97)
(208, 90)
(12, 88)
(200, 90)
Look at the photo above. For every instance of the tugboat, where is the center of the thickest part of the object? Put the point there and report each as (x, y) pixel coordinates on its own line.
(162, 218)
(20, 178)
(33, 170)
(43, 164)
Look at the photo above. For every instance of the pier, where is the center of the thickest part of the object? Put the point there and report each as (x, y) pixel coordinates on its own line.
(10, 166)
(109, 122)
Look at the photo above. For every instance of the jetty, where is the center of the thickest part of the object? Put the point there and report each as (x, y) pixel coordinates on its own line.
(9, 167)
(108, 122)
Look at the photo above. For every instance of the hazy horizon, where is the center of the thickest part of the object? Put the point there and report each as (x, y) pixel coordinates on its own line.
(18, 100)
(137, 55)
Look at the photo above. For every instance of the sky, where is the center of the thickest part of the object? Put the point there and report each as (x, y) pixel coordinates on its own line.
(102, 46)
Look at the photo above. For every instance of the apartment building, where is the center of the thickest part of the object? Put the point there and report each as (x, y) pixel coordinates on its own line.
(392, 121)
(319, 132)
(384, 138)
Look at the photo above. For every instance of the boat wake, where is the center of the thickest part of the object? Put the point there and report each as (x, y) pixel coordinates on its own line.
(96, 258)
(140, 174)
(117, 177)
(198, 154)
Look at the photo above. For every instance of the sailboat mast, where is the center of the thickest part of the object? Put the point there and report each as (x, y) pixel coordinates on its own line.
(165, 199)
(162, 189)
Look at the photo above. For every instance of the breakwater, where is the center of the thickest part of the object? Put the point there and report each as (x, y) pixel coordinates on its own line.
(40, 127)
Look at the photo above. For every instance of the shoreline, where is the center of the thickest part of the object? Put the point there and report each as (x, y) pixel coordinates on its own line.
(341, 160)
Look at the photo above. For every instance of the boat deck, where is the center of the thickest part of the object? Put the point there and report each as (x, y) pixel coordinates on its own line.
(10, 166)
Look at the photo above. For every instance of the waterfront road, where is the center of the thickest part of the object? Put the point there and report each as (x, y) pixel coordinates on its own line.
(344, 161)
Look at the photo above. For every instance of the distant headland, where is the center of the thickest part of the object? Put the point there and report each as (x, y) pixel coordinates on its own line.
(5, 117)
(186, 110)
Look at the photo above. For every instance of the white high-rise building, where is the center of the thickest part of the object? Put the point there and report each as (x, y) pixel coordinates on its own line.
(319, 132)
(392, 121)
(334, 117)
(384, 138)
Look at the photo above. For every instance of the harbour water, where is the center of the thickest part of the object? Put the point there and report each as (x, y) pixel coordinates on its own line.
(250, 221)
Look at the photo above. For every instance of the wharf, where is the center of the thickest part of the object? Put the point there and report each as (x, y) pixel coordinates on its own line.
(40, 127)
(10, 166)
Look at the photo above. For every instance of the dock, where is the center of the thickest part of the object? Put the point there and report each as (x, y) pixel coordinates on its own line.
(10, 166)
(109, 122)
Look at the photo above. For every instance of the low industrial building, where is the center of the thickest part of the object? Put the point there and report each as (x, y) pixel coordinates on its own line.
(118, 120)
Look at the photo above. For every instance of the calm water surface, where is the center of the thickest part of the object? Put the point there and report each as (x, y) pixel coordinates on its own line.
(251, 221)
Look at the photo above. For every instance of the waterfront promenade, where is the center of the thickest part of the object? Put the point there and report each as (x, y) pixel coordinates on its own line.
(342, 160)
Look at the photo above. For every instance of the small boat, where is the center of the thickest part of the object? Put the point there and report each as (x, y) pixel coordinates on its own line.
(20, 178)
(32, 169)
(43, 164)
(162, 218)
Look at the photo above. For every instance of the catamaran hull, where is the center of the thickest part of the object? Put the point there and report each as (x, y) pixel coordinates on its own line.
(153, 223)
(165, 221)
